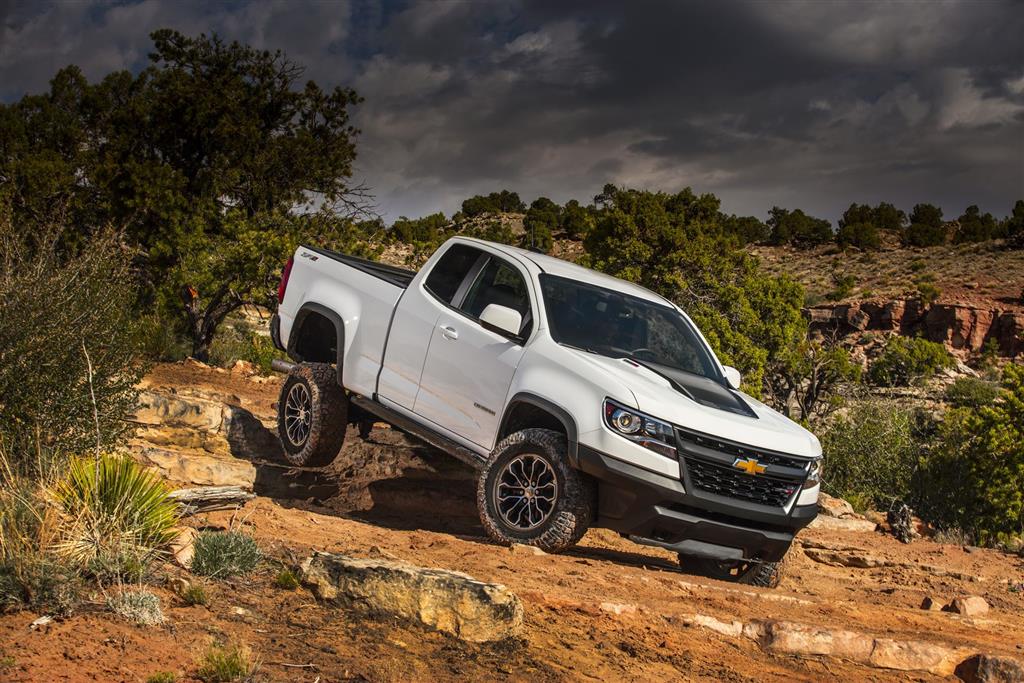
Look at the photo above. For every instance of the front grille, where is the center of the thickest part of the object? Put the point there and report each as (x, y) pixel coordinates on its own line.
(709, 461)
(726, 481)
(740, 451)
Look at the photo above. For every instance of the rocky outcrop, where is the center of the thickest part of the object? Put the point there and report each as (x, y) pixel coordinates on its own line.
(444, 600)
(206, 440)
(805, 640)
(989, 669)
(962, 328)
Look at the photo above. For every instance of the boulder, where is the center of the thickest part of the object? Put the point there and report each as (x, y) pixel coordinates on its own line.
(990, 669)
(183, 547)
(836, 558)
(617, 608)
(970, 606)
(834, 507)
(198, 469)
(931, 604)
(913, 655)
(842, 524)
(802, 639)
(448, 601)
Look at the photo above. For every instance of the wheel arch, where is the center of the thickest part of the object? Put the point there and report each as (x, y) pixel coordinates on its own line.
(304, 347)
(529, 410)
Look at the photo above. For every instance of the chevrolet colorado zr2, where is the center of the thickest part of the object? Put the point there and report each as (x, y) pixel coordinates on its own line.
(582, 400)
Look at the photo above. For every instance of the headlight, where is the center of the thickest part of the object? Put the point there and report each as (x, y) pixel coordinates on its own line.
(814, 472)
(641, 429)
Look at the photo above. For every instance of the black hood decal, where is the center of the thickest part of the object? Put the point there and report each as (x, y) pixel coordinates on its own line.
(703, 390)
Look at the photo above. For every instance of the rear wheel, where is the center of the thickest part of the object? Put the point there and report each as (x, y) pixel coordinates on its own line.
(766, 574)
(312, 414)
(528, 493)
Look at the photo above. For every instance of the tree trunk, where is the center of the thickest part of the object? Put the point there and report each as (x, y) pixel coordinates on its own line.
(203, 322)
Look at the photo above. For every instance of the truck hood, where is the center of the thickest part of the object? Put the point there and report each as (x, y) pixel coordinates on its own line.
(653, 394)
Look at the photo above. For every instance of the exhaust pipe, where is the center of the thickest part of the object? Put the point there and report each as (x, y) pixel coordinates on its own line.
(279, 365)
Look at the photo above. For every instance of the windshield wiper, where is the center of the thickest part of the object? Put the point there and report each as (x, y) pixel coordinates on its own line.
(585, 349)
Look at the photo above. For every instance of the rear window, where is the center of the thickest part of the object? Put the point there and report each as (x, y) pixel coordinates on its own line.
(448, 274)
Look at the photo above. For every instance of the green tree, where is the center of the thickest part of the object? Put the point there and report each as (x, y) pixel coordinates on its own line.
(974, 477)
(576, 221)
(1013, 226)
(746, 229)
(861, 235)
(926, 228)
(541, 220)
(504, 201)
(976, 226)
(908, 359)
(211, 143)
(797, 228)
(804, 378)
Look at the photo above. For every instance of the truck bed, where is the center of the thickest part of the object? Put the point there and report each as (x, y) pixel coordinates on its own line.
(400, 277)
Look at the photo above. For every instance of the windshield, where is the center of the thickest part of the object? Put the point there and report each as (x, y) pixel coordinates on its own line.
(617, 325)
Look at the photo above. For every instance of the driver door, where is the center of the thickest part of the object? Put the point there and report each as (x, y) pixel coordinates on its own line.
(468, 367)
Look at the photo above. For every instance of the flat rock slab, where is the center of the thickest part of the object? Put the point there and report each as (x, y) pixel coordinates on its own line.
(448, 601)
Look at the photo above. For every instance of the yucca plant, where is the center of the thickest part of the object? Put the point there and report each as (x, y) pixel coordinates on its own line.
(117, 514)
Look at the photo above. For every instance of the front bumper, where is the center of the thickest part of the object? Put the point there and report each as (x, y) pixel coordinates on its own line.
(655, 509)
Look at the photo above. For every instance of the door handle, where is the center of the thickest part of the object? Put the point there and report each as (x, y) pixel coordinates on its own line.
(449, 332)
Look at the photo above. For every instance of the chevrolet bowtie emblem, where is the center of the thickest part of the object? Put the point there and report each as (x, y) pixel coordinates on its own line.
(749, 465)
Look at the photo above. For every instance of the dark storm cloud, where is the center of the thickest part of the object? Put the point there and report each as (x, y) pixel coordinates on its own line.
(811, 104)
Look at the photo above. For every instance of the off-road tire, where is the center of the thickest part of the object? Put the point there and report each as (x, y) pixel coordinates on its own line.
(764, 574)
(328, 415)
(575, 502)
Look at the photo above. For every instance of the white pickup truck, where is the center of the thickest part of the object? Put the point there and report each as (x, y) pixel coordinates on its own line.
(582, 400)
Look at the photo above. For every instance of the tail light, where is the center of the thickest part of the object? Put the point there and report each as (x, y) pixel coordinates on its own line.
(284, 280)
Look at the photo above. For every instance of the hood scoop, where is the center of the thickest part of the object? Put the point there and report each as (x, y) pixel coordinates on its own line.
(702, 390)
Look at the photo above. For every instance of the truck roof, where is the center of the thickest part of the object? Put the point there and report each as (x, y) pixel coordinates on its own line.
(572, 271)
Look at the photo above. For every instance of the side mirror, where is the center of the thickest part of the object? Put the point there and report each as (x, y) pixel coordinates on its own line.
(733, 376)
(503, 318)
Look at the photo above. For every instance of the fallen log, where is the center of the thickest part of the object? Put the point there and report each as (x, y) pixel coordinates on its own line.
(210, 498)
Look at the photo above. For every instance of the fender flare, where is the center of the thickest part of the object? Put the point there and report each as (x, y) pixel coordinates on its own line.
(339, 331)
(563, 416)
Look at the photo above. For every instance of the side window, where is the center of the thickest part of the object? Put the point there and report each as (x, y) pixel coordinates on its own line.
(449, 272)
(499, 283)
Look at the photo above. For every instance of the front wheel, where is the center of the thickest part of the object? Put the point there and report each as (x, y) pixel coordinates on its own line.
(765, 574)
(528, 493)
(312, 414)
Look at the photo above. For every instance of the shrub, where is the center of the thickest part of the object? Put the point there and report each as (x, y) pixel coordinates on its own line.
(286, 579)
(871, 454)
(31, 574)
(907, 359)
(973, 475)
(241, 342)
(117, 515)
(224, 554)
(921, 235)
(844, 285)
(62, 310)
(971, 392)
(162, 677)
(227, 664)
(138, 606)
(195, 594)
(862, 235)
(928, 291)
(159, 339)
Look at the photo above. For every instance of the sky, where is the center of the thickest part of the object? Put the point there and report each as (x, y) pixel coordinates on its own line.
(811, 104)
